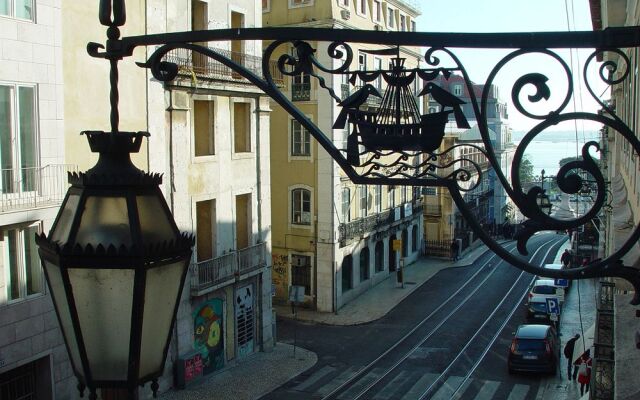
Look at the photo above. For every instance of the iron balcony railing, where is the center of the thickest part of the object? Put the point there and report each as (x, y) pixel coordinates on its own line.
(363, 226)
(200, 66)
(301, 91)
(210, 273)
(25, 188)
(603, 382)
(438, 248)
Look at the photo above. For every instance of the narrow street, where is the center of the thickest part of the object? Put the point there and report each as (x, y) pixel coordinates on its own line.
(448, 339)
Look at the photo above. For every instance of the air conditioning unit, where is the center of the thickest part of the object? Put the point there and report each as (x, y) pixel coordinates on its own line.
(345, 14)
(377, 27)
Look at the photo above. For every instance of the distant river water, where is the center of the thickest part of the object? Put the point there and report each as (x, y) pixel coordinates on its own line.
(546, 154)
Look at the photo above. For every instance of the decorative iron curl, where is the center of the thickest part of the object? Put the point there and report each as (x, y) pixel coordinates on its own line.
(612, 67)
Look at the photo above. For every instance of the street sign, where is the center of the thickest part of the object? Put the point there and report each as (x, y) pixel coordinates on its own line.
(553, 305)
(296, 294)
(561, 282)
(397, 245)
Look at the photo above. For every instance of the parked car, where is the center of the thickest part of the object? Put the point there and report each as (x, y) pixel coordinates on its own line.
(534, 348)
(536, 310)
(557, 267)
(546, 288)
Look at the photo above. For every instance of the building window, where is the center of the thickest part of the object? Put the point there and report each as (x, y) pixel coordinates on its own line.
(378, 198)
(300, 3)
(22, 9)
(301, 272)
(266, 6)
(300, 140)
(405, 245)
(377, 11)
(379, 256)
(204, 128)
(241, 127)
(414, 239)
(403, 23)
(347, 273)
(21, 263)
(391, 18)
(457, 90)
(346, 205)
(363, 200)
(205, 230)
(362, 65)
(18, 138)
(301, 88)
(364, 264)
(343, 3)
(404, 194)
(391, 200)
(301, 206)
(377, 66)
(362, 7)
(413, 26)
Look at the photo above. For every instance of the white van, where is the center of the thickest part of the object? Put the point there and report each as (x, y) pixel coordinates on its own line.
(546, 288)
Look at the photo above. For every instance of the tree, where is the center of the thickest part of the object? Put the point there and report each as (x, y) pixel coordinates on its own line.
(526, 170)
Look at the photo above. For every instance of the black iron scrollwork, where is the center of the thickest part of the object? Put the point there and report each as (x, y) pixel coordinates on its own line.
(391, 140)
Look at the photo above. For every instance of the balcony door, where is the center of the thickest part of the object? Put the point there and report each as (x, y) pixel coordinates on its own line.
(18, 140)
(237, 46)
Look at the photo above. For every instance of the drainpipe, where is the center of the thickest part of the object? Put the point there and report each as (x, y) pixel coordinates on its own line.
(260, 330)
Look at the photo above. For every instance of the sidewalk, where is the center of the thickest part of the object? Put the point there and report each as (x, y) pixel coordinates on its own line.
(578, 316)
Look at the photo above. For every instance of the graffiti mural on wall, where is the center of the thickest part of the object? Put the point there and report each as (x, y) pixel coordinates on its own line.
(279, 273)
(208, 334)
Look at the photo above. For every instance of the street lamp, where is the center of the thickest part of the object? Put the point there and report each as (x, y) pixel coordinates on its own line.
(114, 259)
(116, 264)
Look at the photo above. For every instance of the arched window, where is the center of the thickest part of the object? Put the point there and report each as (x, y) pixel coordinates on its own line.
(301, 207)
(364, 264)
(379, 256)
(347, 274)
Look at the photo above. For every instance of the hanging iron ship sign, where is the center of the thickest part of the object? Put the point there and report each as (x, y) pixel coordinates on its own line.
(397, 144)
(397, 124)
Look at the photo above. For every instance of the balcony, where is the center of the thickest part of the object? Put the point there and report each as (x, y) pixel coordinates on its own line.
(301, 91)
(359, 228)
(192, 64)
(36, 187)
(206, 276)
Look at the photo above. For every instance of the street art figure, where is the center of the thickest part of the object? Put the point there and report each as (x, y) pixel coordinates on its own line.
(245, 320)
(208, 334)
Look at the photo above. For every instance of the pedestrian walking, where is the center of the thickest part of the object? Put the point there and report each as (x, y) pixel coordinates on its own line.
(565, 258)
(568, 353)
(454, 250)
(583, 369)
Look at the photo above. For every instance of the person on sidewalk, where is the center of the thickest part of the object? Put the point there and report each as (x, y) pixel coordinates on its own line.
(454, 250)
(583, 369)
(565, 259)
(568, 353)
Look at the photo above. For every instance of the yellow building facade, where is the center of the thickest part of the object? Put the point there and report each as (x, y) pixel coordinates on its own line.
(329, 236)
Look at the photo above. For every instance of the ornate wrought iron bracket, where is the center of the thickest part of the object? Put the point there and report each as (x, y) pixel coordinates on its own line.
(396, 143)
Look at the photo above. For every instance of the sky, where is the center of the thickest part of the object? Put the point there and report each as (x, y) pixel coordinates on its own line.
(519, 16)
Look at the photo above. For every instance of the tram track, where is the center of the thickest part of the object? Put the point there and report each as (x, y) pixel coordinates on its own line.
(406, 347)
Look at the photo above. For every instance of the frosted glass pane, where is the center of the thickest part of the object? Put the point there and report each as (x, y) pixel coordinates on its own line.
(163, 285)
(153, 224)
(103, 300)
(110, 213)
(4, 7)
(61, 231)
(62, 307)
